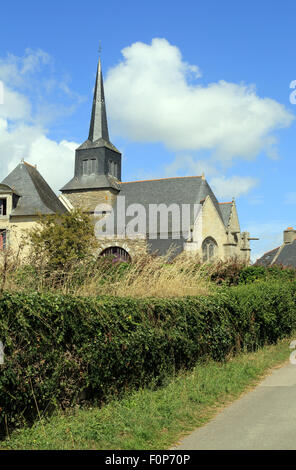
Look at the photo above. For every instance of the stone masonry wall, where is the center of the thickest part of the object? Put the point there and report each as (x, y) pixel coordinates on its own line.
(88, 200)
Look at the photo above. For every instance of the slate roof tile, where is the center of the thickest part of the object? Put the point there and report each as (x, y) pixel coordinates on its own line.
(36, 196)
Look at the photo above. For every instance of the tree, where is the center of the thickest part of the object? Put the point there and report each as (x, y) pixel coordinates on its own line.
(62, 240)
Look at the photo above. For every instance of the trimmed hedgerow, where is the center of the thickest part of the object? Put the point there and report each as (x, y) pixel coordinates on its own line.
(63, 350)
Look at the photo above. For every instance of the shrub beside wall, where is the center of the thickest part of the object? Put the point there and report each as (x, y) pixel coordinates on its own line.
(61, 350)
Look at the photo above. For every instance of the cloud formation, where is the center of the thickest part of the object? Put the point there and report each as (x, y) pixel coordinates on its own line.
(23, 117)
(155, 96)
(234, 186)
(223, 187)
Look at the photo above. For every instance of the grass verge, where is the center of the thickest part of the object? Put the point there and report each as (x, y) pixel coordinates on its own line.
(153, 419)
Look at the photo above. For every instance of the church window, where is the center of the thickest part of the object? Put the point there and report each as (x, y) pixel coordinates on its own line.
(116, 253)
(3, 206)
(3, 239)
(209, 249)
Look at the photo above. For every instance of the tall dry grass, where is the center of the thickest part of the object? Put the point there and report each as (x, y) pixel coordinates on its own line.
(146, 276)
(150, 276)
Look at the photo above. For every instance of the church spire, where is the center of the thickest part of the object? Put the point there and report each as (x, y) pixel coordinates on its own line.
(98, 125)
(97, 160)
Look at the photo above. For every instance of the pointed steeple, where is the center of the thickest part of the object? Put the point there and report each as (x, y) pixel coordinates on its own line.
(97, 160)
(98, 125)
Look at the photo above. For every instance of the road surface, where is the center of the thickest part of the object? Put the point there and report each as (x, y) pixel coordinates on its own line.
(264, 418)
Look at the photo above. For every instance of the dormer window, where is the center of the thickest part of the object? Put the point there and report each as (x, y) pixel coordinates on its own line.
(3, 206)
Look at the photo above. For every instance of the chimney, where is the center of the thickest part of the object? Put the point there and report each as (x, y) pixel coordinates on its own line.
(289, 235)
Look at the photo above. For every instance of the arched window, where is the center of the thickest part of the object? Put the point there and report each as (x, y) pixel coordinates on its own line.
(209, 249)
(117, 253)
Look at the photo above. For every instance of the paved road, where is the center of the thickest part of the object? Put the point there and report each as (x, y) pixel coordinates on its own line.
(264, 418)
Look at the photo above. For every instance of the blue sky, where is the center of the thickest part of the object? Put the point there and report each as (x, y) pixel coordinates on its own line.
(190, 86)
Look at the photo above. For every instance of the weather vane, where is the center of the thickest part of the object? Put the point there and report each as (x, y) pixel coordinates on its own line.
(100, 48)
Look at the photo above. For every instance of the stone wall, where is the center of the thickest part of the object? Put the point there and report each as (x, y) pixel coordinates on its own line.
(88, 200)
(17, 228)
(134, 247)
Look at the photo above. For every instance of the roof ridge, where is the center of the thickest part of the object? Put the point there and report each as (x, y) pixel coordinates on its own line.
(159, 179)
(29, 164)
(224, 202)
(273, 249)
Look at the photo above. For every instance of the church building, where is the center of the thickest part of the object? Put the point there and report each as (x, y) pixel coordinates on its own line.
(211, 232)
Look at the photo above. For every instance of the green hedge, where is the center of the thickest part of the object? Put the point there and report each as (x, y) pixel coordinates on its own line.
(277, 272)
(63, 350)
(233, 273)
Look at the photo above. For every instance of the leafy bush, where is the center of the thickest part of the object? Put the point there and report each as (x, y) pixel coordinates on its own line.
(60, 240)
(252, 273)
(61, 350)
(226, 272)
(234, 272)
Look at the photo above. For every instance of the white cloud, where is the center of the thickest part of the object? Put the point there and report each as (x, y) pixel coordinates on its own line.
(153, 96)
(15, 105)
(187, 165)
(234, 186)
(14, 69)
(54, 160)
(22, 132)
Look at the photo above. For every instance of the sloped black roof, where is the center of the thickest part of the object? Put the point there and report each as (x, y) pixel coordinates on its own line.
(268, 257)
(225, 209)
(89, 182)
(287, 255)
(284, 255)
(179, 190)
(36, 196)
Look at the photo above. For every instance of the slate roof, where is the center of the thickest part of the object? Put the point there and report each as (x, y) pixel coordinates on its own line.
(268, 257)
(284, 255)
(35, 195)
(98, 130)
(287, 255)
(91, 182)
(225, 209)
(98, 124)
(179, 190)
